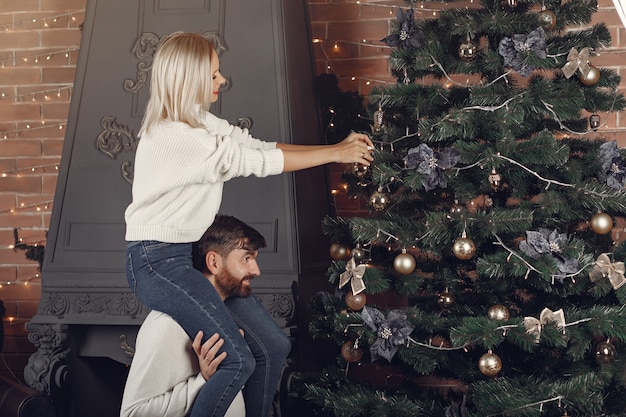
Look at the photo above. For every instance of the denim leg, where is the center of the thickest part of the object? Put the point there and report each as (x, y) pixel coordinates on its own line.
(270, 347)
(163, 278)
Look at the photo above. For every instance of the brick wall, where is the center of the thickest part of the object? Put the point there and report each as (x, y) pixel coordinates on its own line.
(39, 42)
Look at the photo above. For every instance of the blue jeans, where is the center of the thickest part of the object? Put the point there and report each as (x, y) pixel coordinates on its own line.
(163, 278)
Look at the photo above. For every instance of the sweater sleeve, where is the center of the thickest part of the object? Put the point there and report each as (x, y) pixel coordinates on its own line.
(163, 380)
(222, 127)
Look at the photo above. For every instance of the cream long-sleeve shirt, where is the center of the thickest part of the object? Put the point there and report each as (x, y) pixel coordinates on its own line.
(179, 174)
(164, 376)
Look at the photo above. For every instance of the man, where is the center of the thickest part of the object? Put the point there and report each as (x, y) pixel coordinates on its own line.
(168, 369)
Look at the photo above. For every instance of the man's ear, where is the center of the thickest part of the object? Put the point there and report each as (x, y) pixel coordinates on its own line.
(213, 262)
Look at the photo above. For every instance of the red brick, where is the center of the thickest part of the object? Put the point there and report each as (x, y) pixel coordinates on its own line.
(12, 6)
(19, 40)
(20, 220)
(17, 76)
(54, 146)
(62, 5)
(20, 184)
(55, 111)
(58, 75)
(19, 147)
(61, 38)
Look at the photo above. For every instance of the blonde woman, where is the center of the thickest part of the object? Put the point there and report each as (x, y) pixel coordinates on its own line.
(183, 159)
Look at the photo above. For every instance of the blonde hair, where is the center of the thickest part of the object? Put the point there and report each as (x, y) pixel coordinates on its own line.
(180, 84)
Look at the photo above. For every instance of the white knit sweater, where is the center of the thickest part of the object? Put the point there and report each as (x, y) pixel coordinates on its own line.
(164, 376)
(180, 172)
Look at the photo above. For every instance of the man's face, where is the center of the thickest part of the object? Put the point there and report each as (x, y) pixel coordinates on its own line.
(234, 279)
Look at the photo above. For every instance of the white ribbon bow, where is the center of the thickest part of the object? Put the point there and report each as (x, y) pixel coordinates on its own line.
(354, 274)
(577, 61)
(534, 326)
(605, 268)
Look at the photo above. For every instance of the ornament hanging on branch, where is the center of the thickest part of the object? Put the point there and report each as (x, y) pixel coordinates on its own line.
(379, 117)
(379, 200)
(350, 351)
(445, 299)
(508, 4)
(547, 19)
(498, 312)
(339, 252)
(594, 122)
(404, 263)
(592, 77)
(605, 352)
(490, 364)
(464, 248)
(355, 302)
(495, 180)
(468, 50)
(359, 254)
(601, 223)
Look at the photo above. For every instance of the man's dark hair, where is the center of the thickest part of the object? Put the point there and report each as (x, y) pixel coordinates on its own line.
(226, 234)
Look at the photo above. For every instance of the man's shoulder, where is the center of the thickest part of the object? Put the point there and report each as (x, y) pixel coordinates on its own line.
(157, 322)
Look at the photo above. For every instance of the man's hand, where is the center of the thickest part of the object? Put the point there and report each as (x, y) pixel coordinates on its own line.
(207, 353)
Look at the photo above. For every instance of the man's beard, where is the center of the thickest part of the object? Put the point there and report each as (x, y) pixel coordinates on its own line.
(230, 286)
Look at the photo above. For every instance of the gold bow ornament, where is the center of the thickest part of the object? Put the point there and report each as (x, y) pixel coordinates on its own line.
(354, 274)
(577, 61)
(534, 326)
(605, 268)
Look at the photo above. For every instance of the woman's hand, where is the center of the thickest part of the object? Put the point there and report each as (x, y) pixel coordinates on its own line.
(207, 353)
(356, 147)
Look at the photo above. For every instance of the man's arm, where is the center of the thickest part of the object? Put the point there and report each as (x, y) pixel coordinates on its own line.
(164, 376)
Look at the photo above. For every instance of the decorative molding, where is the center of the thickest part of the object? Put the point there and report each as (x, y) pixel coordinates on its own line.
(114, 139)
(47, 368)
(144, 48)
(61, 304)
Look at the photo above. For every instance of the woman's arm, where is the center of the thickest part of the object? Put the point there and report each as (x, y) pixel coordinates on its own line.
(356, 148)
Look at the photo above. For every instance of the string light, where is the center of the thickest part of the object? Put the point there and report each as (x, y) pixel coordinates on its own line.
(36, 57)
(46, 94)
(71, 17)
(33, 169)
(6, 134)
(44, 205)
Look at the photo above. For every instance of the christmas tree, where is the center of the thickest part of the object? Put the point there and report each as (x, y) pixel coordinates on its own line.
(487, 280)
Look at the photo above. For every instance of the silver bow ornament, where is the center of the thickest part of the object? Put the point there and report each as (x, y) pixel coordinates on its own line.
(577, 61)
(354, 275)
(604, 268)
(534, 326)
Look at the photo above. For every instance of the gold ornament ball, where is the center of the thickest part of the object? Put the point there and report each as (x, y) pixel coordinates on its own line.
(490, 364)
(508, 4)
(355, 302)
(592, 77)
(464, 248)
(445, 299)
(358, 254)
(351, 353)
(404, 263)
(360, 170)
(339, 252)
(605, 352)
(498, 312)
(601, 223)
(594, 121)
(379, 200)
(547, 19)
(468, 51)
